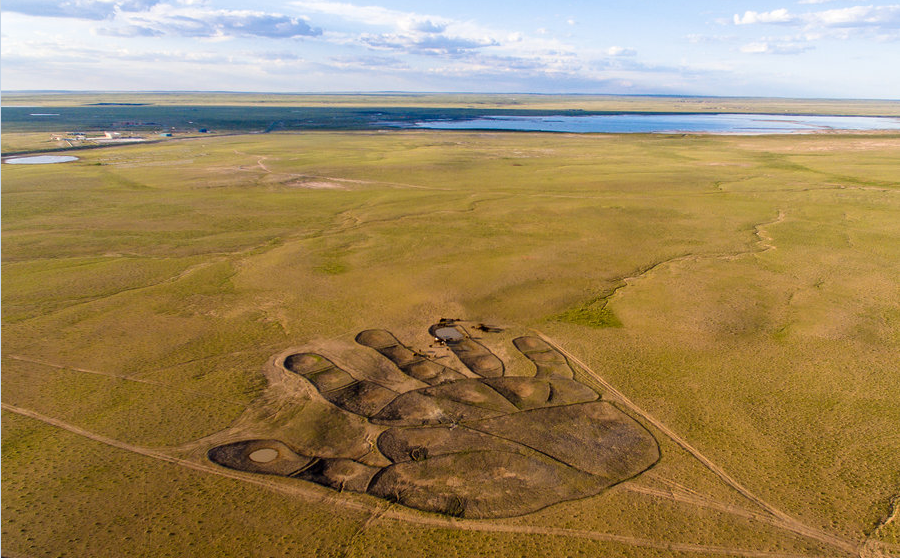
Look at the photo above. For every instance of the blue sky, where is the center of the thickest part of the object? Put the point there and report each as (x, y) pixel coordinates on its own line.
(798, 48)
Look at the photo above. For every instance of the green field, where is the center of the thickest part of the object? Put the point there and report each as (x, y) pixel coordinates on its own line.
(737, 296)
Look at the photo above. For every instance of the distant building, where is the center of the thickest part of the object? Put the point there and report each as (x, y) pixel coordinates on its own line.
(166, 134)
(112, 135)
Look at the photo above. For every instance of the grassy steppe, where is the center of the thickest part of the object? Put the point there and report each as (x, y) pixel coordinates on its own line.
(742, 290)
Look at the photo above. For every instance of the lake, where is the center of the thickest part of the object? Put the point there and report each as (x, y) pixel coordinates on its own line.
(149, 119)
(40, 160)
(744, 124)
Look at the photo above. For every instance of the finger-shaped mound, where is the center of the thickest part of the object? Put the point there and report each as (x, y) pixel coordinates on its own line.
(477, 358)
(337, 386)
(549, 362)
(535, 393)
(407, 360)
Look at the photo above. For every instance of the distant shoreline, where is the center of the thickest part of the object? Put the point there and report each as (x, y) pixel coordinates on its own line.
(595, 103)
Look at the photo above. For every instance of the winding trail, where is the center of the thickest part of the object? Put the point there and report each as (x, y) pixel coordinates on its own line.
(764, 238)
(763, 242)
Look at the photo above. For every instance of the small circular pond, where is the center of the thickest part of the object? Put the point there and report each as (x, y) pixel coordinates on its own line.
(264, 455)
(40, 160)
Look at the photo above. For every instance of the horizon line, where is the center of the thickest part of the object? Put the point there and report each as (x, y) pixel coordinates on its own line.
(428, 93)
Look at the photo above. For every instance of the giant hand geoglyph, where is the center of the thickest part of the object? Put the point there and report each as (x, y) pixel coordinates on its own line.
(469, 441)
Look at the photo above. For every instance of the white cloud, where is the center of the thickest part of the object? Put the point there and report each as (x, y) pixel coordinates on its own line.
(423, 25)
(370, 15)
(149, 18)
(620, 51)
(124, 69)
(387, 30)
(425, 44)
(776, 48)
(407, 31)
(859, 16)
(697, 38)
(81, 9)
(369, 63)
(127, 31)
(775, 16)
(755, 48)
(854, 17)
(166, 19)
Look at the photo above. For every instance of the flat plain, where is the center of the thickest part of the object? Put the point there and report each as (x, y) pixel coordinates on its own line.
(736, 296)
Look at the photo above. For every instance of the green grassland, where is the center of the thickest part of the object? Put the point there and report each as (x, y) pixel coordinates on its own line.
(741, 290)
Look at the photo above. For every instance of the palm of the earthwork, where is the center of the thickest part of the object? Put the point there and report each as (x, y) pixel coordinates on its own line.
(478, 444)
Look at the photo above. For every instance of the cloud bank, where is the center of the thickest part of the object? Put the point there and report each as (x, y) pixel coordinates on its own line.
(775, 16)
(153, 18)
(320, 45)
(862, 17)
(193, 22)
(82, 9)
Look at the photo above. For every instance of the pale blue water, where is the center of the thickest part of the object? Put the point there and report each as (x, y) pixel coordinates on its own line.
(40, 160)
(668, 123)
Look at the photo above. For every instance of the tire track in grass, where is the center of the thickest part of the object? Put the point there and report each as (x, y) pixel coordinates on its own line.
(785, 521)
(683, 494)
(314, 495)
(125, 378)
(373, 517)
(703, 502)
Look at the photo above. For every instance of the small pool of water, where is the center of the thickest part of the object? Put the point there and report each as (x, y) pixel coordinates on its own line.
(448, 334)
(264, 455)
(40, 160)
